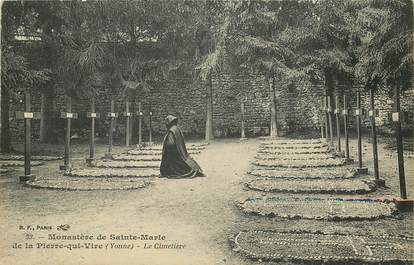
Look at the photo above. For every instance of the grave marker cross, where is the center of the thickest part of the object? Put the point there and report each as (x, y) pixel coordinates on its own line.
(358, 113)
(140, 116)
(338, 125)
(325, 100)
(68, 115)
(92, 115)
(150, 124)
(330, 121)
(128, 115)
(322, 118)
(27, 115)
(113, 115)
(404, 203)
(345, 113)
(372, 114)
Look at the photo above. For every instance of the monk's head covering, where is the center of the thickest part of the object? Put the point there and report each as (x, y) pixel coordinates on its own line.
(171, 120)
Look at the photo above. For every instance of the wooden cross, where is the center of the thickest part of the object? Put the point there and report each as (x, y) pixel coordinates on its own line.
(338, 125)
(358, 114)
(68, 115)
(330, 121)
(400, 148)
(150, 124)
(325, 104)
(128, 115)
(345, 114)
(27, 116)
(140, 116)
(321, 120)
(92, 115)
(372, 112)
(113, 115)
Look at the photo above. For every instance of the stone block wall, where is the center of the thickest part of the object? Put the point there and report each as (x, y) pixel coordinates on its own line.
(298, 108)
(229, 90)
(383, 108)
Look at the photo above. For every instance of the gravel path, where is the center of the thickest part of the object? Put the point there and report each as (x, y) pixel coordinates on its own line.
(201, 213)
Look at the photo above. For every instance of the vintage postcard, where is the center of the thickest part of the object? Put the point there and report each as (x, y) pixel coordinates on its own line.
(206, 132)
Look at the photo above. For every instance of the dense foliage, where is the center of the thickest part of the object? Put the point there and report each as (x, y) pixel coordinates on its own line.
(132, 45)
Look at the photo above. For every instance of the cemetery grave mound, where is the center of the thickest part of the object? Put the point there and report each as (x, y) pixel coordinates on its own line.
(84, 184)
(193, 147)
(127, 157)
(331, 162)
(296, 151)
(144, 157)
(8, 157)
(323, 247)
(156, 150)
(305, 173)
(19, 163)
(126, 164)
(296, 156)
(291, 141)
(159, 148)
(319, 209)
(149, 152)
(5, 170)
(272, 145)
(337, 186)
(113, 173)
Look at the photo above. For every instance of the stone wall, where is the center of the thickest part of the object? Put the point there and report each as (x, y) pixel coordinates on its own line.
(298, 108)
(383, 118)
(229, 90)
(382, 105)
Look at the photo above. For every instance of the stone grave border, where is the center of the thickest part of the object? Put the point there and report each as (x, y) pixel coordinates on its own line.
(235, 244)
(125, 164)
(110, 173)
(352, 173)
(369, 186)
(6, 170)
(8, 157)
(54, 184)
(335, 162)
(19, 163)
(391, 205)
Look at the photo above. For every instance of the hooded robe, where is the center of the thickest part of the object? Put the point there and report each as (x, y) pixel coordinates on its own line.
(176, 163)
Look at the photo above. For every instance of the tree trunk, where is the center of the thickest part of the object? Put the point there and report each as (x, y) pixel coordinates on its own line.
(5, 126)
(374, 134)
(273, 109)
(209, 114)
(242, 131)
(400, 147)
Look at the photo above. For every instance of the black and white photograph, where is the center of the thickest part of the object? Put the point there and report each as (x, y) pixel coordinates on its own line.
(207, 132)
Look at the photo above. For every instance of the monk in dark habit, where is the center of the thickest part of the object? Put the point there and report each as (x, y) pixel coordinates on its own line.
(176, 163)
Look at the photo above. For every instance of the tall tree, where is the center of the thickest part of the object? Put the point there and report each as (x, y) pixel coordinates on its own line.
(262, 42)
(385, 50)
(212, 34)
(17, 73)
